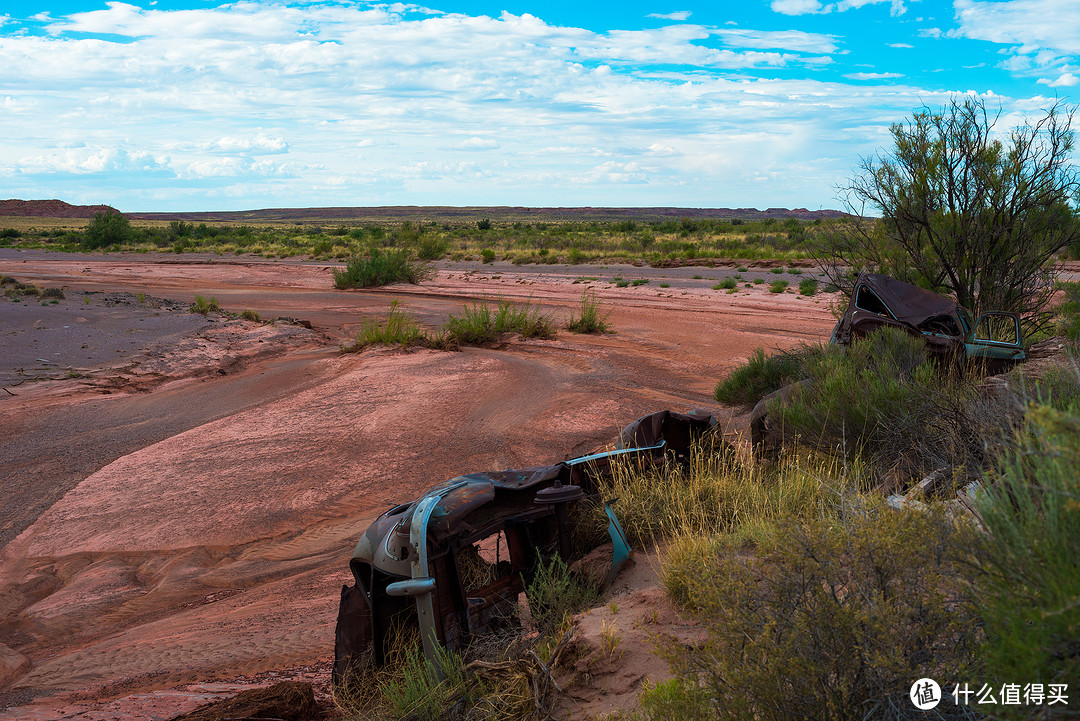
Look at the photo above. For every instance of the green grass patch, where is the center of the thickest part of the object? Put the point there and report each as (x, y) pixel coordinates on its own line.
(204, 306)
(808, 286)
(762, 374)
(477, 324)
(588, 318)
(778, 286)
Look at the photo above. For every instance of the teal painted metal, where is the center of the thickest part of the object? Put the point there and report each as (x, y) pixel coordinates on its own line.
(423, 583)
(621, 552)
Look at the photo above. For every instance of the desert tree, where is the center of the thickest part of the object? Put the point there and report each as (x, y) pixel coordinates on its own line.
(964, 210)
(108, 228)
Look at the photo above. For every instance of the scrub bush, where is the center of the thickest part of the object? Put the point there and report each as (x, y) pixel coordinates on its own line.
(381, 266)
(827, 621)
(762, 374)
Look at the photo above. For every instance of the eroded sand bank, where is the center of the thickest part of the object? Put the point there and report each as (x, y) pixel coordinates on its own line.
(201, 526)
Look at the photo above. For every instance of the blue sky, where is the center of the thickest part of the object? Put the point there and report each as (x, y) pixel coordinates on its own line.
(205, 105)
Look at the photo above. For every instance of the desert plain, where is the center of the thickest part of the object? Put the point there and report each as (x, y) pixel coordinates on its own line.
(181, 493)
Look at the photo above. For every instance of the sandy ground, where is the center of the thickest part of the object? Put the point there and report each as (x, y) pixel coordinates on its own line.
(178, 523)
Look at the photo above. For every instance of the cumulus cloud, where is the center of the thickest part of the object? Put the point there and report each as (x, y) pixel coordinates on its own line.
(1065, 80)
(85, 161)
(234, 167)
(1037, 33)
(873, 76)
(260, 144)
(476, 143)
(679, 16)
(815, 7)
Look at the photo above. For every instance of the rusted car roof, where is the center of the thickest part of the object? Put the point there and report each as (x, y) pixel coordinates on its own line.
(909, 303)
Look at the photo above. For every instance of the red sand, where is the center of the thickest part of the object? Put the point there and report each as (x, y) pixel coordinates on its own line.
(210, 536)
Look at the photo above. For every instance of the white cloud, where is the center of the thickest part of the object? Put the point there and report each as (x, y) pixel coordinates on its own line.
(904, 46)
(873, 76)
(799, 7)
(1065, 80)
(232, 168)
(791, 40)
(475, 143)
(815, 7)
(260, 144)
(660, 150)
(680, 16)
(1032, 24)
(85, 161)
(1037, 33)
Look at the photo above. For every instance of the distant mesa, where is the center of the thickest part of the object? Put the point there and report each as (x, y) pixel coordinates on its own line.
(392, 213)
(51, 209)
(497, 213)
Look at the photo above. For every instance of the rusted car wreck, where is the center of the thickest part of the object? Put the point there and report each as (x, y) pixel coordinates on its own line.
(950, 333)
(993, 342)
(417, 564)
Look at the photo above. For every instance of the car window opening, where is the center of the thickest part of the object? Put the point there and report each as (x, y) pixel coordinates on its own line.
(866, 299)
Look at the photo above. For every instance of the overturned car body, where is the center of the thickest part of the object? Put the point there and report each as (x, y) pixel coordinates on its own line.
(994, 340)
(455, 560)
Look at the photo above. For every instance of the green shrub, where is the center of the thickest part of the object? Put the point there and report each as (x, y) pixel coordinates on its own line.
(743, 269)
(589, 319)
(639, 281)
(758, 281)
(829, 621)
(622, 284)
(1028, 585)
(778, 286)
(883, 401)
(400, 328)
(679, 698)
(487, 255)
(432, 248)
(1068, 312)
(725, 284)
(478, 326)
(778, 271)
(204, 306)
(7, 280)
(106, 229)
(808, 286)
(250, 315)
(381, 267)
(555, 593)
(10, 233)
(761, 375)
(52, 293)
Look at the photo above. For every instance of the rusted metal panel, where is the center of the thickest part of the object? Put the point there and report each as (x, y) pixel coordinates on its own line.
(407, 562)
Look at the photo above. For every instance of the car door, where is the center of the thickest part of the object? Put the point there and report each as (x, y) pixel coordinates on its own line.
(995, 341)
